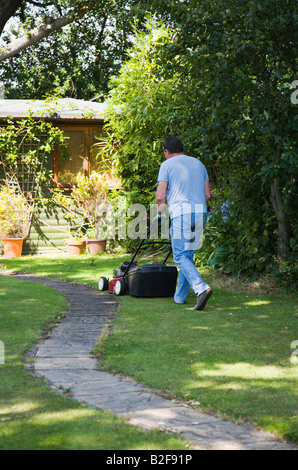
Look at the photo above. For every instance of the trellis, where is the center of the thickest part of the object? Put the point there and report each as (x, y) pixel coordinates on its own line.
(22, 173)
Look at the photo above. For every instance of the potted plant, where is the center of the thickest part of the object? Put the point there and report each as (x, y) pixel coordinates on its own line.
(91, 198)
(15, 216)
(75, 245)
(94, 243)
(87, 212)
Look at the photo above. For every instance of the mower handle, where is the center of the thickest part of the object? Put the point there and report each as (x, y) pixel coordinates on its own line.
(143, 243)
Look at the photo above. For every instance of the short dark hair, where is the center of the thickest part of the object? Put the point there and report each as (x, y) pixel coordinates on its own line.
(173, 145)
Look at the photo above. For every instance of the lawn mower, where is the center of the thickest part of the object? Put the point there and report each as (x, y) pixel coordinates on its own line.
(148, 280)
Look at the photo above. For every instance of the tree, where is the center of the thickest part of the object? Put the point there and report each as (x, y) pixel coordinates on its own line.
(239, 61)
(142, 112)
(41, 19)
(75, 11)
(244, 58)
(75, 61)
(229, 101)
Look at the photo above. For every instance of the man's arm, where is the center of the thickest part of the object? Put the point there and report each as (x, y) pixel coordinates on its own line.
(160, 197)
(207, 191)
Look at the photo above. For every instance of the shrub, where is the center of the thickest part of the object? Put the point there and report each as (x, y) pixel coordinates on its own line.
(15, 214)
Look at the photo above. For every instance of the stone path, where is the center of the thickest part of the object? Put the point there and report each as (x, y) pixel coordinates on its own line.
(64, 359)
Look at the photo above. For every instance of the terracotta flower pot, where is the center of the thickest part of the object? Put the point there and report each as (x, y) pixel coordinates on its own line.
(12, 247)
(75, 247)
(96, 245)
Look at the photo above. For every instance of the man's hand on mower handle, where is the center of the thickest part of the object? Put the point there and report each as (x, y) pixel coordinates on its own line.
(159, 219)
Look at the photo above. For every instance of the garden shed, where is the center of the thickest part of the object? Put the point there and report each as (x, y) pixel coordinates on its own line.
(82, 123)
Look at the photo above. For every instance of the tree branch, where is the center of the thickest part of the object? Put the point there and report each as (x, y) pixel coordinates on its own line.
(40, 4)
(41, 32)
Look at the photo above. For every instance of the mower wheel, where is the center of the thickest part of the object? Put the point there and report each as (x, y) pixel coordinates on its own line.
(103, 284)
(120, 287)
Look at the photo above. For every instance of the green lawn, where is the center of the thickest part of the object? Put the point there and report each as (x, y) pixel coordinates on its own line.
(232, 359)
(32, 417)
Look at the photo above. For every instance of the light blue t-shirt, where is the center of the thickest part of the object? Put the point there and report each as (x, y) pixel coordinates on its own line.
(186, 178)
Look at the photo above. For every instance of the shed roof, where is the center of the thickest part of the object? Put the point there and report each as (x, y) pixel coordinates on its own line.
(57, 109)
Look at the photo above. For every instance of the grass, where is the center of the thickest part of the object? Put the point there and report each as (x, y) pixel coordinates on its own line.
(32, 416)
(231, 360)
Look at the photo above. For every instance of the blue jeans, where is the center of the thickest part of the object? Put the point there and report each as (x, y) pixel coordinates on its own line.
(186, 234)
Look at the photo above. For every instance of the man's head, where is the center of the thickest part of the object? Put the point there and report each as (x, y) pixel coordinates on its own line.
(172, 145)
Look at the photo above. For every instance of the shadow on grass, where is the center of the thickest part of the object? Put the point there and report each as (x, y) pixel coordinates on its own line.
(31, 415)
(44, 421)
(233, 357)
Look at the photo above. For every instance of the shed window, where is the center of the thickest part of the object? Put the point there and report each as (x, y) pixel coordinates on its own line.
(82, 156)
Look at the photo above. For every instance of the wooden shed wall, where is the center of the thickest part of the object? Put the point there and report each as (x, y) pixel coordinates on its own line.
(48, 232)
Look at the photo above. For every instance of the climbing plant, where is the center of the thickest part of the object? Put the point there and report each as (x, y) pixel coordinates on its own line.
(26, 149)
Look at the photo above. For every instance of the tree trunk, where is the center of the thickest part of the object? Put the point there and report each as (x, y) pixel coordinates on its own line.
(7, 9)
(284, 229)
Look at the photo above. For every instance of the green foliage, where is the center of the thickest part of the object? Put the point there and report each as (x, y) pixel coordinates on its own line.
(287, 272)
(216, 75)
(14, 214)
(238, 238)
(141, 114)
(26, 147)
(220, 81)
(87, 208)
(76, 61)
(142, 109)
(91, 198)
(242, 120)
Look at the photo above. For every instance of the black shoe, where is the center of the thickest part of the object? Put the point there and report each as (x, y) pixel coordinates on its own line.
(202, 299)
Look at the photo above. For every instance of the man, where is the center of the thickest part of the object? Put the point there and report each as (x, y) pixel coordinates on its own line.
(183, 182)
